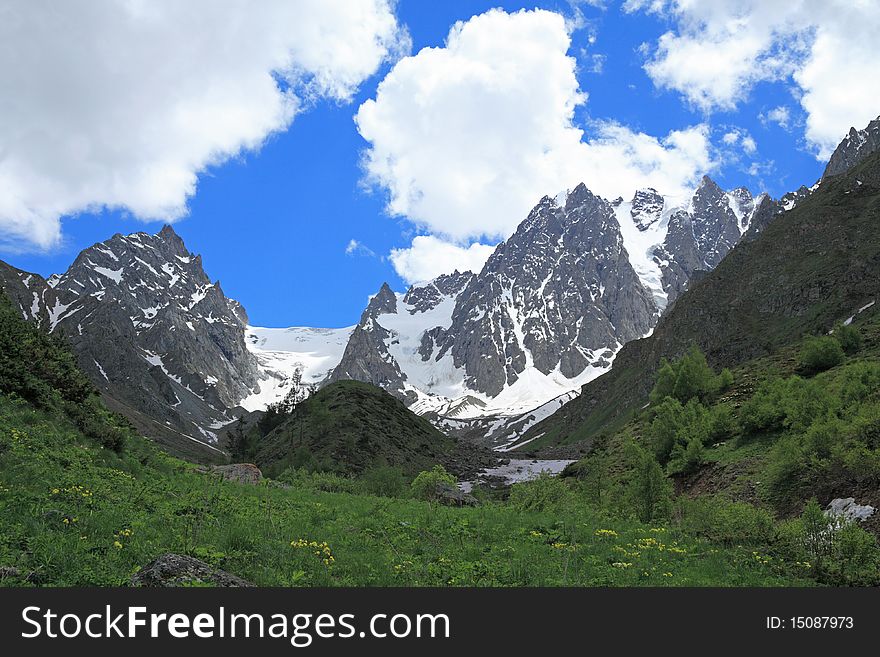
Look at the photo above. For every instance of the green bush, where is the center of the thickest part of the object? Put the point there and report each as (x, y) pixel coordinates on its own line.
(687, 460)
(648, 489)
(839, 553)
(792, 403)
(328, 482)
(384, 480)
(820, 353)
(675, 424)
(786, 467)
(723, 424)
(544, 493)
(689, 377)
(37, 366)
(855, 557)
(424, 486)
(722, 521)
(849, 337)
(859, 382)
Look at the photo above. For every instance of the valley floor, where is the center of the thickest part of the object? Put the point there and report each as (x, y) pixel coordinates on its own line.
(73, 513)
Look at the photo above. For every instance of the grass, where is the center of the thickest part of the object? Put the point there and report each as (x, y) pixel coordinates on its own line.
(74, 514)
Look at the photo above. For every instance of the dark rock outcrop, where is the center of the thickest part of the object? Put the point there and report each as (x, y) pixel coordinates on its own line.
(171, 570)
(240, 473)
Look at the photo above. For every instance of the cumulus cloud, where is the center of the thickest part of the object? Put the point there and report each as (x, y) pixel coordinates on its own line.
(121, 104)
(721, 49)
(467, 137)
(429, 257)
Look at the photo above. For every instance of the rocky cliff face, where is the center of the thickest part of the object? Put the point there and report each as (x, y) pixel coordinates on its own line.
(701, 233)
(366, 357)
(159, 339)
(855, 147)
(559, 296)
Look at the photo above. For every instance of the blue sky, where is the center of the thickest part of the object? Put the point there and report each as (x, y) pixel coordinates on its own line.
(273, 224)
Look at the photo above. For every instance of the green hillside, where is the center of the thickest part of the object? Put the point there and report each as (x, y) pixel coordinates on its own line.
(811, 267)
(800, 425)
(349, 427)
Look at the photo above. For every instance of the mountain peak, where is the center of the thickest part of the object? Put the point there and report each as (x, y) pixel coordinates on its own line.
(383, 302)
(167, 233)
(854, 148)
(707, 182)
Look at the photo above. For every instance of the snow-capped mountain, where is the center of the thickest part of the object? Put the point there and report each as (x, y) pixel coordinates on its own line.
(579, 277)
(161, 341)
(550, 308)
(486, 354)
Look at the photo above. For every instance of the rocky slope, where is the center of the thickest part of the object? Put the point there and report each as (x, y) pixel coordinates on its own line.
(162, 342)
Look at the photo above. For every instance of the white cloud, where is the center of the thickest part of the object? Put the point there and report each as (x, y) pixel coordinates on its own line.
(467, 137)
(721, 49)
(122, 103)
(356, 248)
(743, 138)
(781, 116)
(430, 257)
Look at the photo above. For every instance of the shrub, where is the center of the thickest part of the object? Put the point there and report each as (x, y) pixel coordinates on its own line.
(787, 403)
(687, 460)
(723, 424)
(764, 409)
(722, 521)
(859, 381)
(37, 366)
(820, 353)
(724, 380)
(849, 337)
(424, 486)
(785, 467)
(689, 377)
(328, 482)
(838, 553)
(675, 424)
(649, 491)
(855, 557)
(694, 377)
(384, 480)
(816, 530)
(664, 383)
(541, 494)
